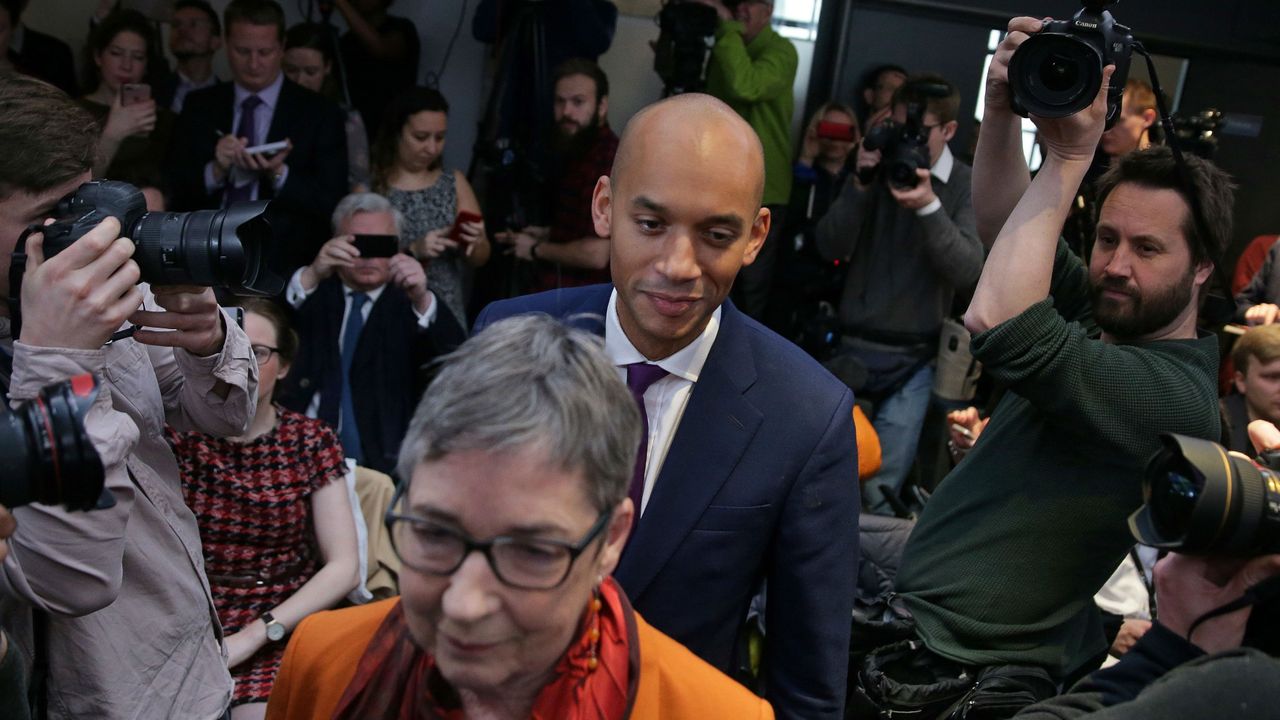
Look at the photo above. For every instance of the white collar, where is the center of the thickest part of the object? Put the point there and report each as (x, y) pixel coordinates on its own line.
(946, 162)
(684, 363)
(269, 95)
(373, 294)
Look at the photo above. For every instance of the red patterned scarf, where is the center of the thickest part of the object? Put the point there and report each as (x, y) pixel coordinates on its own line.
(396, 680)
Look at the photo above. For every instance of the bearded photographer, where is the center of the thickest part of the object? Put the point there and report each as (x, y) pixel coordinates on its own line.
(1002, 565)
(120, 609)
(1179, 669)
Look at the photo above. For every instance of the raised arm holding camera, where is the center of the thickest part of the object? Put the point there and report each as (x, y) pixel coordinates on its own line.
(80, 586)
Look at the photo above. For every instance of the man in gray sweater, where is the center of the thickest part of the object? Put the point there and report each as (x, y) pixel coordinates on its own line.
(909, 251)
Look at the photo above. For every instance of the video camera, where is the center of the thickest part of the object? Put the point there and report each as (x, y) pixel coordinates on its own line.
(680, 53)
(1058, 71)
(49, 456)
(1199, 132)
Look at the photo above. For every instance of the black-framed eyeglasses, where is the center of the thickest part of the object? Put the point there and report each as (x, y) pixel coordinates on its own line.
(263, 353)
(527, 564)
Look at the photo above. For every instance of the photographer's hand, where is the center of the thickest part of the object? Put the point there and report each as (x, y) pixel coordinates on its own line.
(1190, 586)
(79, 297)
(191, 320)
(918, 197)
(998, 96)
(7, 526)
(1075, 138)
(1261, 314)
(337, 252)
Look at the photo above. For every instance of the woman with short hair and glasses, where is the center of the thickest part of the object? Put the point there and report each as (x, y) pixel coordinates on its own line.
(513, 516)
(275, 522)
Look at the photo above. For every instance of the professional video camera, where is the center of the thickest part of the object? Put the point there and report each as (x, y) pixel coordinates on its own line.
(49, 457)
(1199, 132)
(680, 54)
(212, 248)
(1058, 71)
(1201, 499)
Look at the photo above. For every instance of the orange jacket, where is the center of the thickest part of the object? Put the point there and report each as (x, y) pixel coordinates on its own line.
(326, 647)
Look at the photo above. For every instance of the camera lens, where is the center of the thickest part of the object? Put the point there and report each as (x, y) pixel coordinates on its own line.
(212, 248)
(49, 456)
(1055, 75)
(1173, 500)
(1059, 73)
(1200, 499)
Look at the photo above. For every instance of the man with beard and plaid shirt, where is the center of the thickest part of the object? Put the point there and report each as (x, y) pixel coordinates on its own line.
(1098, 361)
(568, 253)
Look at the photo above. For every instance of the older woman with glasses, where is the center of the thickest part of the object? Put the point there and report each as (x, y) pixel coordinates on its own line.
(278, 534)
(513, 516)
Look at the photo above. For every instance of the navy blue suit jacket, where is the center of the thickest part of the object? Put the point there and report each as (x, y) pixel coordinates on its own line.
(760, 483)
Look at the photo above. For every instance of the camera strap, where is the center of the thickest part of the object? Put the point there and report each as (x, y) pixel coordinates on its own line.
(1219, 307)
(18, 268)
(1268, 589)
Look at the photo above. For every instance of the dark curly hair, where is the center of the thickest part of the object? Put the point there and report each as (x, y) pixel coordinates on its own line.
(387, 143)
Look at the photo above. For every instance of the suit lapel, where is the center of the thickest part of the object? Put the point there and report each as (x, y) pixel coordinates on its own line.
(716, 429)
(280, 118)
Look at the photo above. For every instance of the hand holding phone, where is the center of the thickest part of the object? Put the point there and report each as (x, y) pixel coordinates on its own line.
(268, 150)
(134, 93)
(464, 217)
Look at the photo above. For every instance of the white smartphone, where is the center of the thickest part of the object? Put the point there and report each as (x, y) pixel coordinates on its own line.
(268, 149)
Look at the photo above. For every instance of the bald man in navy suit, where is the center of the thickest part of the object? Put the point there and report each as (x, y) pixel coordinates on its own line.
(748, 469)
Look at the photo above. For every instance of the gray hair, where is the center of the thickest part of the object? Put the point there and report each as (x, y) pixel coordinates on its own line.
(532, 381)
(365, 202)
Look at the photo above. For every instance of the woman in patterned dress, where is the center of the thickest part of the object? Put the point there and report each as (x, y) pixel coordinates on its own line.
(276, 525)
(408, 168)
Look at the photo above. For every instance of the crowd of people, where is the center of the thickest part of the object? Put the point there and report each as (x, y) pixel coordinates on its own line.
(629, 486)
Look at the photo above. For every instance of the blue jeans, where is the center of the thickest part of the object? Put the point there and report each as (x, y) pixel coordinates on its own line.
(898, 421)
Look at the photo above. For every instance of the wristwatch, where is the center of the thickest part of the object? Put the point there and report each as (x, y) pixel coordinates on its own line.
(275, 631)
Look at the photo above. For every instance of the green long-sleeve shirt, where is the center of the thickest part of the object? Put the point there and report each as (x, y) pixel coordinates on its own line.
(1007, 555)
(756, 80)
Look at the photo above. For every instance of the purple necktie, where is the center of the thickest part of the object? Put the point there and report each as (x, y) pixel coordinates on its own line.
(639, 377)
(248, 130)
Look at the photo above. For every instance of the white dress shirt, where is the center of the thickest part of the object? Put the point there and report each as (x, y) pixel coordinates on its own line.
(262, 117)
(665, 400)
(295, 295)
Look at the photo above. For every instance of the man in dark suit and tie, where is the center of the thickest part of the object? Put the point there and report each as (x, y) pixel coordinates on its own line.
(208, 167)
(748, 470)
(367, 327)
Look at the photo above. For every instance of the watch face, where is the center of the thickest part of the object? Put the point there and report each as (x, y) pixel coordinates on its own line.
(275, 631)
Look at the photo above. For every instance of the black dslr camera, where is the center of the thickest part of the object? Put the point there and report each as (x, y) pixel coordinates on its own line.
(212, 248)
(680, 53)
(904, 147)
(1058, 71)
(49, 457)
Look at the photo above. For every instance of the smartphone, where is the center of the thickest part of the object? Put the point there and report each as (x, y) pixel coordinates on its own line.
(268, 149)
(133, 93)
(464, 217)
(377, 246)
(836, 131)
(962, 430)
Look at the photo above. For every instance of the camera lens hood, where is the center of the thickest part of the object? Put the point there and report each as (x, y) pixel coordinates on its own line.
(1054, 75)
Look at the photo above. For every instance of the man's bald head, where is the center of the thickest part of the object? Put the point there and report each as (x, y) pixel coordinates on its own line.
(700, 124)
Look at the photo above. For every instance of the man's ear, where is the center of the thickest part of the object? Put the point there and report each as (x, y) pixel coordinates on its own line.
(603, 110)
(1149, 117)
(756, 235)
(949, 130)
(602, 207)
(1204, 269)
(283, 371)
(1239, 381)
